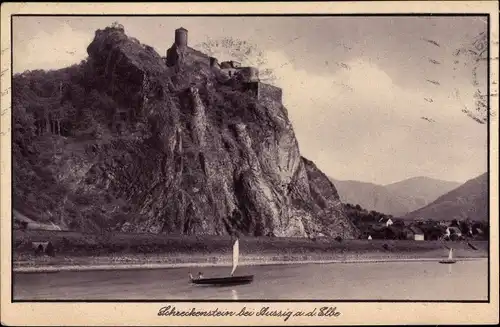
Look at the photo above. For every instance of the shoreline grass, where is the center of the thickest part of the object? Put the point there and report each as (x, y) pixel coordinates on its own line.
(77, 251)
(178, 252)
(41, 269)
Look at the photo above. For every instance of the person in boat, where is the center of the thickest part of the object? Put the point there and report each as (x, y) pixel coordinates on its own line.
(200, 275)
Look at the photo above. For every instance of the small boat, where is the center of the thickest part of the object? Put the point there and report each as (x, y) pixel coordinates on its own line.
(225, 281)
(450, 258)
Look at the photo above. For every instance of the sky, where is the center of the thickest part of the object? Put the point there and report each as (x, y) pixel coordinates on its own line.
(356, 88)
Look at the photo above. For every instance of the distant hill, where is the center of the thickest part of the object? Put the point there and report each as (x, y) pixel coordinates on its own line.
(417, 192)
(370, 196)
(470, 200)
(394, 199)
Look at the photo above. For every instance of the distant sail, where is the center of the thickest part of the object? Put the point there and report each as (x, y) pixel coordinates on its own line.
(450, 255)
(236, 254)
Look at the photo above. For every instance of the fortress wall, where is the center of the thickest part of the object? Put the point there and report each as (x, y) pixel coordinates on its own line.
(249, 74)
(196, 56)
(252, 88)
(230, 72)
(189, 56)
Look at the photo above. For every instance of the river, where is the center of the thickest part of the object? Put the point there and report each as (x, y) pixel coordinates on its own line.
(465, 280)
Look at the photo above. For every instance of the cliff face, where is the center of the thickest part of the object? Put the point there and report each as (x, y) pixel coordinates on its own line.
(197, 155)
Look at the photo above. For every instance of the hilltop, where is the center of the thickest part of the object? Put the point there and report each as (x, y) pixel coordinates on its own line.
(370, 196)
(419, 191)
(393, 199)
(131, 141)
(468, 201)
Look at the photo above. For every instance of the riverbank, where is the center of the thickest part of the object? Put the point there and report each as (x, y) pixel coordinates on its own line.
(21, 268)
(75, 251)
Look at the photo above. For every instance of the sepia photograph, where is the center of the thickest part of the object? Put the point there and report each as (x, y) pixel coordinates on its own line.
(295, 157)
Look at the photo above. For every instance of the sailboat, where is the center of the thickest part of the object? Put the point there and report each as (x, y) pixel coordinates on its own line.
(229, 280)
(450, 258)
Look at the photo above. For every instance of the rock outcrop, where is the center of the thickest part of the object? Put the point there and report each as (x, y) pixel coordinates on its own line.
(197, 156)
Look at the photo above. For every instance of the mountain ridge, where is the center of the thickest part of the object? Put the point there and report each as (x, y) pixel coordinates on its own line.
(396, 198)
(468, 201)
(420, 191)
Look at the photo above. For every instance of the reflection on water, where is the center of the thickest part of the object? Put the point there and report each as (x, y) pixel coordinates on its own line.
(354, 281)
(234, 294)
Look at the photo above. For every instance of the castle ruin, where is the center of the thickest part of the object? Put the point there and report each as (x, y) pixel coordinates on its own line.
(181, 54)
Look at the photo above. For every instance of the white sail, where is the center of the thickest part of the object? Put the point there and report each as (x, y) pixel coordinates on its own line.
(450, 255)
(236, 254)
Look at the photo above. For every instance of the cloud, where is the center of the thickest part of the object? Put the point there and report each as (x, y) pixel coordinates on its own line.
(68, 46)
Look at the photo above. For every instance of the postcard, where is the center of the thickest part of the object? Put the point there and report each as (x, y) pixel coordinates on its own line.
(268, 163)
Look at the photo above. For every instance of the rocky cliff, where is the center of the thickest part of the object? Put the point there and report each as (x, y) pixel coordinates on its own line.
(178, 150)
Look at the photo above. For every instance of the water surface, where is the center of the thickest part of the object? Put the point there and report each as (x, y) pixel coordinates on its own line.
(465, 280)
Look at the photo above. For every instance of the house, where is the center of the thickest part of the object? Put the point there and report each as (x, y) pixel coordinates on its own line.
(453, 230)
(43, 248)
(386, 221)
(432, 231)
(453, 233)
(408, 233)
(418, 234)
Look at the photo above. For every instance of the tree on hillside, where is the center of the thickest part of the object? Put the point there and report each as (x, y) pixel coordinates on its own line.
(228, 48)
(464, 227)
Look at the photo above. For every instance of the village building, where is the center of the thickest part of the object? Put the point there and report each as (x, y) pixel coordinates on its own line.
(415, 233)
(386, 221)
(453, 231)
(41, 248)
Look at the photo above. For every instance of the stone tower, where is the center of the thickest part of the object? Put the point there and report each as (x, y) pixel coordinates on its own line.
(253, 74)
(181, 37)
